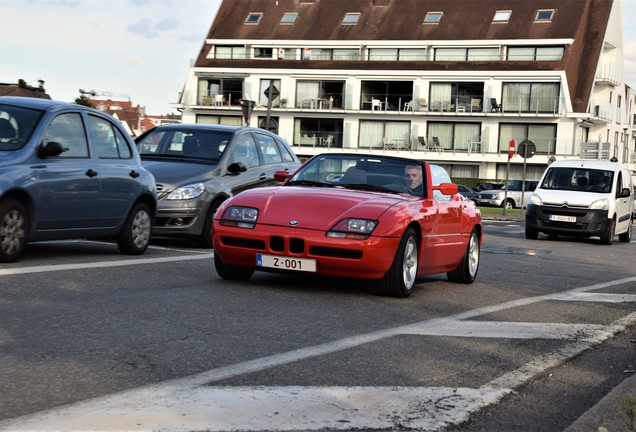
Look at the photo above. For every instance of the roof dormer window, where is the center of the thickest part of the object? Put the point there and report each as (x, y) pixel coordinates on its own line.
(351, 18)
(289, 18)
(544, 15)
(433, 17)
(501, 16)
(253, 17)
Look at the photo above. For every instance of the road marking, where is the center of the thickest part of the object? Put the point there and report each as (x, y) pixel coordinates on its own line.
(191, 403)
(101, 264)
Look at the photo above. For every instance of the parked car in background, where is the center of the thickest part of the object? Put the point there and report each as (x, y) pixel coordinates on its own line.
(198, 166)
(69, 171)
(482, 186)
(468, 192)
(355, 216)
(517, 191)
(583, 198)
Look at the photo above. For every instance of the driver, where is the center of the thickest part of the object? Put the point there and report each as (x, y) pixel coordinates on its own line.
(413, 176)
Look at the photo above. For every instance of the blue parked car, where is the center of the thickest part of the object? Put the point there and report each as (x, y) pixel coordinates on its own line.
(69, 171)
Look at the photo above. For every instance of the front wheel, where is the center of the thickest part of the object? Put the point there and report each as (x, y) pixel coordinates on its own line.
(231, 272)
(134, 237)
(531, 233)
(205, 240)
(466, 271)
(14, 222)
(626, 237)
(608, 237)
(400, 279)
(508, 204)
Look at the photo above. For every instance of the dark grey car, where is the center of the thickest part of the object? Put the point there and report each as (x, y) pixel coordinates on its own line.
(198, 166)
(69, 171)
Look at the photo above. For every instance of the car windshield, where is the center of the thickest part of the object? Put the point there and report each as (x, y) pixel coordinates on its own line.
(16, 126)
(386, 174)
(578, 179)
(184, 143)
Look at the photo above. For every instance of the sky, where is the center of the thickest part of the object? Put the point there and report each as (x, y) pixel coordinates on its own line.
(139, 49)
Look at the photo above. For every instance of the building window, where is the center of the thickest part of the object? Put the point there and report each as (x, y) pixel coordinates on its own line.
(531, 97)
(377, 134)
(227, 91)
(397, 54)
(535, 53)
(289, 18)
(318, 132)
(346, 54)
(466, 54)
(320, 94)
(456, 96)
(351, 18)
(262, 52)
(253, 17)
(501, 16)
(433, 17)
(454, 136)
(544, 15)
(542, 135)
(229, 52)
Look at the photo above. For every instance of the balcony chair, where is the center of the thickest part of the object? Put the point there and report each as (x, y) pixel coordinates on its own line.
(408, 106)
(377, 104)
(423, 104)
(436, 144)
(494, 106)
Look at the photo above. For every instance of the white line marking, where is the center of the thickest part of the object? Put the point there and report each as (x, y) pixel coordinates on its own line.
(101, 264)
(191, 403)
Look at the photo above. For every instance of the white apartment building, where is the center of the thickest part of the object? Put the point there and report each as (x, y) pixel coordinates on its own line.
(453, 82)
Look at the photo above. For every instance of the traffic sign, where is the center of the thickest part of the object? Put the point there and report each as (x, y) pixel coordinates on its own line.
(526, 149)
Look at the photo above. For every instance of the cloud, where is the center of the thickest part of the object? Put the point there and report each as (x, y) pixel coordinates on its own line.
(137, 61)
(143, 28)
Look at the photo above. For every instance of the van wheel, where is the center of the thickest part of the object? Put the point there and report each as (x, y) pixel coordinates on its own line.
(626, 237)
(14, 223)
(608, 237)
(508, 204)
(531, 233)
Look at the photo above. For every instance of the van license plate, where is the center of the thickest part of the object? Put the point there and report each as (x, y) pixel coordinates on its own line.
(559, 218)
(286, 263)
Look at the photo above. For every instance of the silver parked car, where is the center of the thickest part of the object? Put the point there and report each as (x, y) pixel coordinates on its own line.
(198, 166)
(510, 199)
(69, 171)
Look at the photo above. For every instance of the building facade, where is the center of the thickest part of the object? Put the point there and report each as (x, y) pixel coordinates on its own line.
(454, 82)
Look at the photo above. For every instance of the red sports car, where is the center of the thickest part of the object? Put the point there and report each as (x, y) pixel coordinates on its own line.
(383, 218)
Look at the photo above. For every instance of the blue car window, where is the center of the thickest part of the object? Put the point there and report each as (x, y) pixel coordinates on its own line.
(68, 130)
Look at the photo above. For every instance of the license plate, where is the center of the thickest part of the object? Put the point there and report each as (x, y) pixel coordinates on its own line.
(559, 218)
(286, 263)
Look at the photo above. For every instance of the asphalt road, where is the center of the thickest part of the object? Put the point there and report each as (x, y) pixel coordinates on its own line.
(93, 336)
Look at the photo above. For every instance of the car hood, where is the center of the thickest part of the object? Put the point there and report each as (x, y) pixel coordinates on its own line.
(569, 198)
(178, 172)
(314, 208)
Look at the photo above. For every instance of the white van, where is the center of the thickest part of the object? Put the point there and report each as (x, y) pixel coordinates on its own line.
(582, 198)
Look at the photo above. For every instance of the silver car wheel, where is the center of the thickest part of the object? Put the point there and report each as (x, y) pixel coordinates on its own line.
(473, 255)
(12, 232)
(409, 264)
(141, 228)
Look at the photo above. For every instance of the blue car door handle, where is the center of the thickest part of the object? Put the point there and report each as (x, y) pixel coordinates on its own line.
(134, 174)
(91, 173)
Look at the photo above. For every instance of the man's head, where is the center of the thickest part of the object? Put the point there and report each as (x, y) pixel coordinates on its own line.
(413, 175)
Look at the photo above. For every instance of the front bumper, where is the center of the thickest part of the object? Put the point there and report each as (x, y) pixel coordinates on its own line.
(179, 220)
(588, 222)
(363, 259)
(489, 202)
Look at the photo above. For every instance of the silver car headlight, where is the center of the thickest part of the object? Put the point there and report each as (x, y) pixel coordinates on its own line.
(240, 217)
(496, 196)
(535, 200)
(353, 228)
(187, 192)
(602, 204)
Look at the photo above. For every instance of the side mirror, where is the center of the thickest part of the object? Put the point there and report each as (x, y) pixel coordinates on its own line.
(237, 167)
(51, 148)
(281, 176)
(624, 193)
(447, 188)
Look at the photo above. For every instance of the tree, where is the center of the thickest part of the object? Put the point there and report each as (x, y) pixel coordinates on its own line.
(83, 100)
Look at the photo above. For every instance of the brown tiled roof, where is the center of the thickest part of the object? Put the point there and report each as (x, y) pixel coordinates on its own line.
(15, 90)
(584, 21)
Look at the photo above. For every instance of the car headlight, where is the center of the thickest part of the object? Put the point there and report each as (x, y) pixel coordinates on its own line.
(359, 229)
(238, 216)
(535, 200)
(602, 204)
(187, 192)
